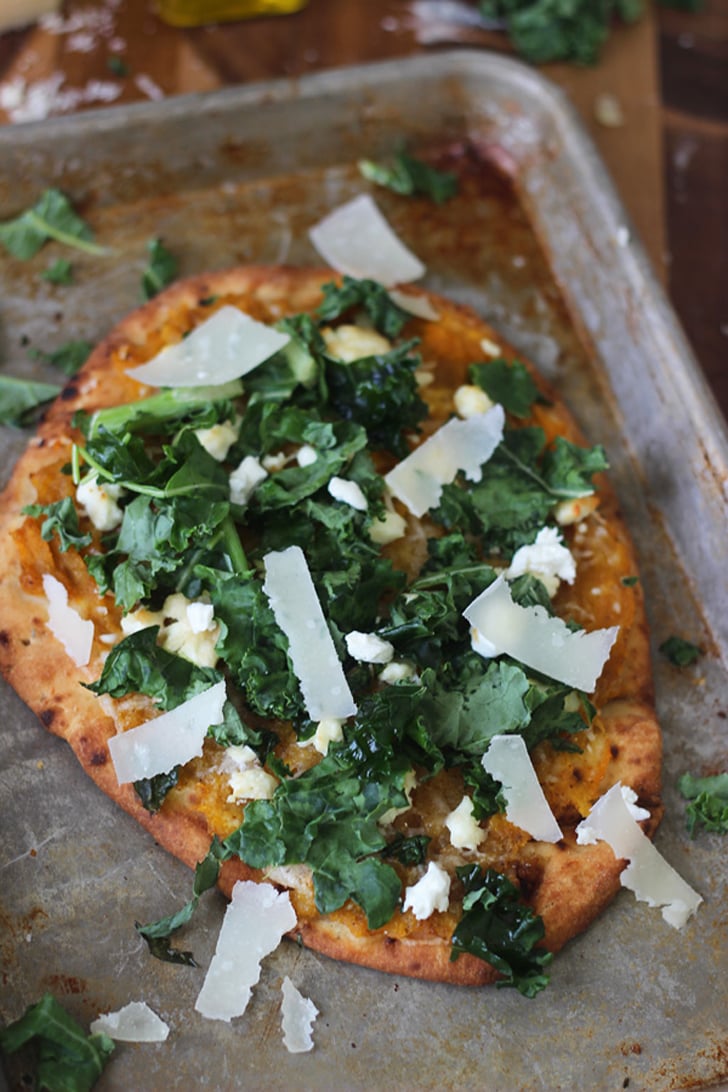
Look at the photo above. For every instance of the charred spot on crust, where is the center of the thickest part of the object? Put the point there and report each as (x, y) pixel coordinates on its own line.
(577, 774)
(47, 716)
(530, 877)
(4, 637)
(390, 941)
(69, 392)
(99, 758)
(613, 750)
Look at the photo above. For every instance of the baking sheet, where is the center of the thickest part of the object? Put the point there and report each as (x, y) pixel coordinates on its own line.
(238, 176)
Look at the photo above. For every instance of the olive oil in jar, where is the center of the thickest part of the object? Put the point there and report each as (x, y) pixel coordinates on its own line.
(193, 13)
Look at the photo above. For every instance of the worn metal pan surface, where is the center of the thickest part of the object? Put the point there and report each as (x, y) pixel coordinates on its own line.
(538, 243)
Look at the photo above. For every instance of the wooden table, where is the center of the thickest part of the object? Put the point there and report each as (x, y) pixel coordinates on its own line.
(668, 72)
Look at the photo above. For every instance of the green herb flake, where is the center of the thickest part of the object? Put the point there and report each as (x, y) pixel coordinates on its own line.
(69, 357)
(161, 270)
(117, 66)
(498, 928)
(58, 272)
(630, 581)
(68, 1060)
(409, 176)
(510, 384)
(708, 807)
(20, 398)
(680, 652)
(543, 31)
(52, 217)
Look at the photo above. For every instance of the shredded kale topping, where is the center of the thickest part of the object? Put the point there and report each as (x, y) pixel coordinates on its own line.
(182, 532)
(708, 807)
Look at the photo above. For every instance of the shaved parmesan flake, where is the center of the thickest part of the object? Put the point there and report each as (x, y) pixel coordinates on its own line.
(255, 922)
(134, 1023)
(75, 633)
(430, 893)
(297, 1016)
(647, 874)
(544, 643)
(356, 239)
(169, 740)
(419, 306)
(459, 445)
(226, 346)
(297, 610)
(508, 761)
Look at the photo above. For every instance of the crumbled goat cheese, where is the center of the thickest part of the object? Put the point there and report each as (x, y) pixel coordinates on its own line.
(218, 439)
(99, 503)
(489, 347)
(247, 778)
(368, 648)
(547, 558)
(469, 400)
(465, 831)
(348, 343)
(388, 529)
(430, 893)
(348, 493)
(245, 479)
(396, 671)
(328, 730)
(190, 635)
(575, 509)
(306, 455)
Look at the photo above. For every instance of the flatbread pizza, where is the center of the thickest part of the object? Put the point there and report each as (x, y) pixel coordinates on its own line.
(326, 578)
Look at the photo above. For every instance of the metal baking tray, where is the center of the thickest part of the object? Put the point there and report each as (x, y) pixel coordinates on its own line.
(539, 244)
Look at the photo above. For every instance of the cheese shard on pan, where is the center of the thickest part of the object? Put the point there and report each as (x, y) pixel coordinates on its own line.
(297, 1016)
(458, 445)
(75, 633)
(169, 740)
(647, 874)
(545, 643)
(255, 922)
(357, 240)
(508, 761)
(297, 611)
(134, 1023)
(226, 346)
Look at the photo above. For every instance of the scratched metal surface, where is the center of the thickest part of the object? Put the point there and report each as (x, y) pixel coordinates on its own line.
(238, 176)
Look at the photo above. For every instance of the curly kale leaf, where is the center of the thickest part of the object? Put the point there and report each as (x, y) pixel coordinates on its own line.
(498, 928)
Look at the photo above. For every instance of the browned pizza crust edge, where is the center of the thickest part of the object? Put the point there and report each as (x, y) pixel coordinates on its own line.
(568, 885)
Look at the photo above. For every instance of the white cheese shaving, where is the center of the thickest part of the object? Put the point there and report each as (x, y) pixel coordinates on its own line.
(647, 874)
(544, 643)
(169, 740)
(368, 648)
(547, 558)
(226, 346)
(255, 922)
(356, 239)
(245, 479)
(75, 633)
(419, 306)
(508, 761)
(458, 445)
(134, 1023)
(348, 492)
(297, 1016)
(311, 649)
(430, 893)
(465, 830)
(490, 348)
